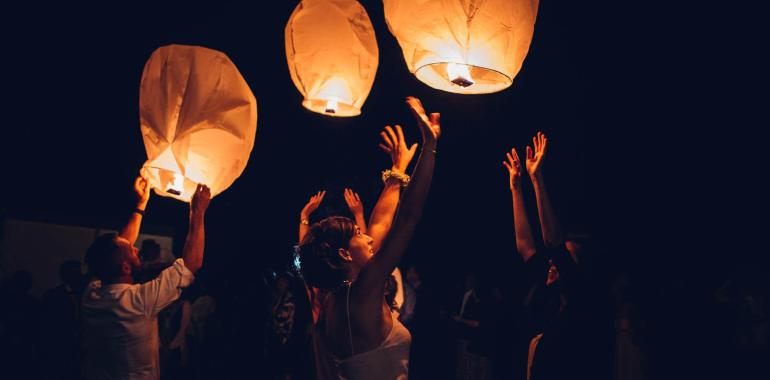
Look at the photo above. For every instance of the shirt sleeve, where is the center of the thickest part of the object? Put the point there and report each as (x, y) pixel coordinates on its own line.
(165, 288)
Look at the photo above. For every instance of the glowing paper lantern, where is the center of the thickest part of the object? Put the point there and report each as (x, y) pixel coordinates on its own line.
(198, 119)
(463, 46)
(332, 54)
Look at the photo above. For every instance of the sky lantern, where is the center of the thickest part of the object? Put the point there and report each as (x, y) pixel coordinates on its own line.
(332, 54)
(463, 46)
(198, 120)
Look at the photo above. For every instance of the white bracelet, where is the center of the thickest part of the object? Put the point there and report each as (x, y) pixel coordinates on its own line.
(400, 177)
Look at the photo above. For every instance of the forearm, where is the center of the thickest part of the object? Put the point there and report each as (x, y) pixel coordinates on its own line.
(383, 213)
(549, 224)
(361, 222)
(410, 210)
(194, 243)
(303, 228)
(525, 242)
(130, 231)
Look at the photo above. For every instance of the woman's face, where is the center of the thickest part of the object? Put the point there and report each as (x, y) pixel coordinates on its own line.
(360, 247)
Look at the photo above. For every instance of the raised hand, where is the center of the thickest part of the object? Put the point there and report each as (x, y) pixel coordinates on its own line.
(312, 205)
(394, 144)
(200, 200)
(354, 202)
(513, 164)
(142, 191)
(535, 158)
(430, 127)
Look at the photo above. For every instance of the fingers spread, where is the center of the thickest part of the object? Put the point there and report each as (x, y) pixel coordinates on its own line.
(400, 134)
(387, 139)
(392, 135)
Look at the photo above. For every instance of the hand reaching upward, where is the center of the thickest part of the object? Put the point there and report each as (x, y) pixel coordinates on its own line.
(535, 158)
(430, 127)
(513, 164)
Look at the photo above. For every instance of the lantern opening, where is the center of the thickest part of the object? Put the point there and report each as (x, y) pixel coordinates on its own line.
(176, 186)
(459, 74)
(338, 108)
(462, 78)
(170, 183)
(331, 106)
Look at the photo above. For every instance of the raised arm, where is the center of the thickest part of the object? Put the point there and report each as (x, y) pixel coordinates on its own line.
(142, 190)
(525, 243)
(195, 241)
(372, 277)
(356, 208)
(549, 224)
(384, 210)
(309, 209)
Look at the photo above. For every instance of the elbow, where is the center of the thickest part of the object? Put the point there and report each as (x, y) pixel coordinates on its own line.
(193, 265)
(525, 251)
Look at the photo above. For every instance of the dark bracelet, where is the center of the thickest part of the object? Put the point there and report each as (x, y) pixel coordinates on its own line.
(139, 211)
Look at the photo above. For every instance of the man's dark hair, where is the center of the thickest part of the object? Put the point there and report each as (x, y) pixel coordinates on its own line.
(104, 257)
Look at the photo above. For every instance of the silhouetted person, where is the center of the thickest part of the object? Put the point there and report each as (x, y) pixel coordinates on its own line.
(60, 325)
(19, 312)
(120, 324)
(553, 351)
(152, 262)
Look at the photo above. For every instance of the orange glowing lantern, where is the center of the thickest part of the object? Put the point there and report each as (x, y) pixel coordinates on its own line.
(463, 46)
(332, 54)
(198, 120)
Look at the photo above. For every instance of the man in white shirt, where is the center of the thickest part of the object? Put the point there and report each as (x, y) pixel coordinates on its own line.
(119, 316)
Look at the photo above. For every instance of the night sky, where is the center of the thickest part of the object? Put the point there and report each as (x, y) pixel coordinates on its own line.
(649, 111)
(594, 81)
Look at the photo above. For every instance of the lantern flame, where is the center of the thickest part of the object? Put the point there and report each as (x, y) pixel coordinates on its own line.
(459, 74)
(176, 186)
(331, 106)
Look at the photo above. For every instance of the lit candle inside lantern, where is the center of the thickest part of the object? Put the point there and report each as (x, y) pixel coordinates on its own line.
(459, 74)
(331, 106)
(177, 185)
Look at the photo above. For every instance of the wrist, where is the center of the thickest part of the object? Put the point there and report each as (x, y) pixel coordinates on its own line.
(537, 179)
(197, 216)
(390, 177)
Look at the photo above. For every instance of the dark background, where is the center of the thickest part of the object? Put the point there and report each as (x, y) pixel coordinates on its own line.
(625, 93)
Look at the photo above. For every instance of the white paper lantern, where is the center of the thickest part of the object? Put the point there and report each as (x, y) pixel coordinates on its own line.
(198, 119)
(463, 46)
(332, 54)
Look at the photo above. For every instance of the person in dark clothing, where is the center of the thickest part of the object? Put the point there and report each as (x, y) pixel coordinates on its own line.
(555, 284)
(60, 325)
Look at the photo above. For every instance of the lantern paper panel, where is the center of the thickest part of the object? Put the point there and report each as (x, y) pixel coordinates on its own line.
(332, 54)
(463, 46)
(198, 120)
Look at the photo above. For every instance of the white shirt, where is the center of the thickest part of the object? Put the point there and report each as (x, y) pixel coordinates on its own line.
(121, 327)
